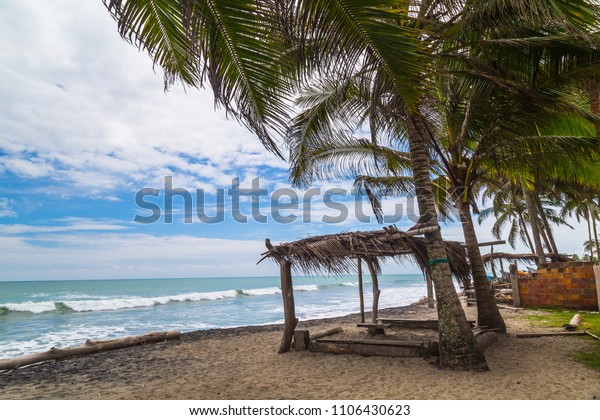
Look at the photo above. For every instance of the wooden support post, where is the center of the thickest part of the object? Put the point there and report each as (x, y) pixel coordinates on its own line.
(289, 308)
(361, 295)
(514, 281)
(492, 262)
(301, 340)
(430, 303)
(287, 295)
(597, 275)
(376, 291)
(502, 270)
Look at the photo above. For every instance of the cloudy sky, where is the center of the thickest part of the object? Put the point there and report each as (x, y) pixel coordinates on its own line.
(85, 126)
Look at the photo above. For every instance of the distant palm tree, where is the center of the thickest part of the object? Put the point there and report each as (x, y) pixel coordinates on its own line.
(592, 247)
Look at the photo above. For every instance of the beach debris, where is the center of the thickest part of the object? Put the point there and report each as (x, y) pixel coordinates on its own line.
(387, 348)
(592, 335)
(90, 346)
(302, 337)
(550, 334)
(575, 321)
(427, 324)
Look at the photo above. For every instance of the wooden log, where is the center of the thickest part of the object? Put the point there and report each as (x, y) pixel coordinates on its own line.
(326, 333)
(91, 346)
(574, 323)
(500, 242)
(301, 340)
(558, 334)
(419, 324)
(510, 308)
(387, 348)
(592, 335)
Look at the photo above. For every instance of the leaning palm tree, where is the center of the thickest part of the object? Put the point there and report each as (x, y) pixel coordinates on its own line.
(253, 54)
(256, 54)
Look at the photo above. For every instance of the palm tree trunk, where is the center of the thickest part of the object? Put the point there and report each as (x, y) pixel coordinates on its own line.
(535, 225)
(588, 217)
(458, 348)
(488, 314)
(547, 230)
(524, 228)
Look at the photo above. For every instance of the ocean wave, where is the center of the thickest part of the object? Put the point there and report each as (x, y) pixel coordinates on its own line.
(307, 288)
(102, 303)
(260, 292)
(65, 306)
(106, 303)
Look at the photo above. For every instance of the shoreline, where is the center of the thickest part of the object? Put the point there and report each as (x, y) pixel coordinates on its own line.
(242, 363)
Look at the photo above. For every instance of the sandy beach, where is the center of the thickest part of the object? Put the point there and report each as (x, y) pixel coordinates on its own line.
(242, 363)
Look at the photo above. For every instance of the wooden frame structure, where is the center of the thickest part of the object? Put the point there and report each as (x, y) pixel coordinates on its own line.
(343, 253)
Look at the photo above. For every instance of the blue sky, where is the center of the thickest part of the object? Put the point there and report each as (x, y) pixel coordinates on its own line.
(85, 124)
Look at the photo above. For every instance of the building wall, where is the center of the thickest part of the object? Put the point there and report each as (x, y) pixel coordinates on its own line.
(569, 285)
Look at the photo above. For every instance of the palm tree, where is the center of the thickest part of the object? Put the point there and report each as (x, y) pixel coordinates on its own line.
(256, 54)
(319, 151)
(253, 54)
(592, 247)
(509, 209)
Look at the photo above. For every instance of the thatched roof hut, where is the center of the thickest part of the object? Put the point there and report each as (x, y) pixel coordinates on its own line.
(343, 253)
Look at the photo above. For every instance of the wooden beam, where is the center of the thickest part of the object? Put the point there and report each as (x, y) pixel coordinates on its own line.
(592, 335)
(388, 348)
(555, 334)
(491, 243)
(361, 295)
(376, 291)
(425, 324)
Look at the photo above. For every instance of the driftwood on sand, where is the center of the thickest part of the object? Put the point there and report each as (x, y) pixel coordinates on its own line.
(550, 334)
(573, 324)
(90, 346)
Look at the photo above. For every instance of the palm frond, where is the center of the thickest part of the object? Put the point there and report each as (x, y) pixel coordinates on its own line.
(233, 46)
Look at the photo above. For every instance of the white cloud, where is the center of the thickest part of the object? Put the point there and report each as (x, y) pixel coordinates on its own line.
(68, 224)
(6, 208)
(123, 255)
(88, 111)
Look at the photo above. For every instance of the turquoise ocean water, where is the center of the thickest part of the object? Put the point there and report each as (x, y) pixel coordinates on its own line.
(37, 315)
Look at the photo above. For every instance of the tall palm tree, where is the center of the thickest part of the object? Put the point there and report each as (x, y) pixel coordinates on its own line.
(255, 54)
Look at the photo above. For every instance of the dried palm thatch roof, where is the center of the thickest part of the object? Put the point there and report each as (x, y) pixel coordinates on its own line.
(337, 254)
(523, 258)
